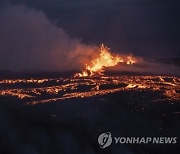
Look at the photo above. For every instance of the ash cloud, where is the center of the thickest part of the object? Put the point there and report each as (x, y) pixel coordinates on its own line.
(149, 67)
(147, 28)
(30, 41)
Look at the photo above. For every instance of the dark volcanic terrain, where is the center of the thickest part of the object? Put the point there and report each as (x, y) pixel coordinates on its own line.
(60, 114)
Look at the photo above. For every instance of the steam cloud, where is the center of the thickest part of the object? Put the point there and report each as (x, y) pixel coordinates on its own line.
(29, 41)
(150, 67)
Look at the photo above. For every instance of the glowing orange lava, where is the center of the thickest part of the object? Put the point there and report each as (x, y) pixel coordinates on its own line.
(105, 59)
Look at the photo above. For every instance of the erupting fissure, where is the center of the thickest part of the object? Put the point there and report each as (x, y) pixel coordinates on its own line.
(104, 60)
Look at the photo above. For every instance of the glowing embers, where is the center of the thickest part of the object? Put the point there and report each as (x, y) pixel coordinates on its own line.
(19, 94)
(172, 94)
(105, 59)
(15, 81)
(166, 88)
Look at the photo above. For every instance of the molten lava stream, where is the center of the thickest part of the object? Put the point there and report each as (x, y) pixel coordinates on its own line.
(104, 60)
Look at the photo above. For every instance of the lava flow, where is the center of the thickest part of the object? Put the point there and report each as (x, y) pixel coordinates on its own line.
(44, 90)
(104, 60)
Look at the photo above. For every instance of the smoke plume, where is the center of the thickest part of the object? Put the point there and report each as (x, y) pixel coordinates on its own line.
(30, 41)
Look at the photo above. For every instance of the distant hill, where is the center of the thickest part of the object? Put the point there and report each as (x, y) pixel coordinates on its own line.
(174, 61)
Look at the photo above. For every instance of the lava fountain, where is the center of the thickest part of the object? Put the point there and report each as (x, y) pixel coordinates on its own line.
(105, 59)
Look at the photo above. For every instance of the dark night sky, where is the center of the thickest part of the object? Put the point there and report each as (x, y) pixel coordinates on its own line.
(145, 27)
(148, 28)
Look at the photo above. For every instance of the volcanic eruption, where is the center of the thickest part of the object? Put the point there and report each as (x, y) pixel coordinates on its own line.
(105, 59)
